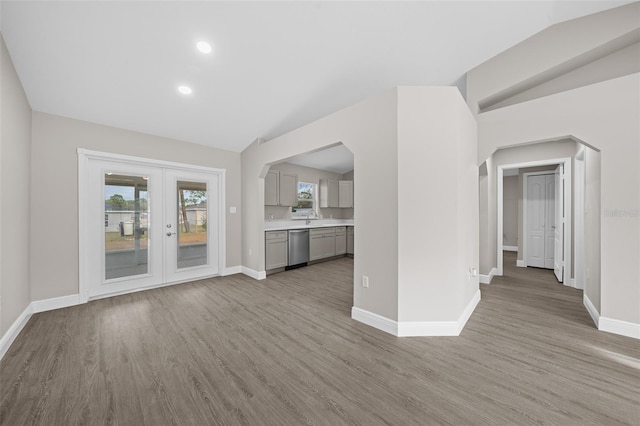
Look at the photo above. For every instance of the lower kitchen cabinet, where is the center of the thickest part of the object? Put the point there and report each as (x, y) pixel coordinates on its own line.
(322, 243)
(341, 240)
(350, 238)
(276, 250)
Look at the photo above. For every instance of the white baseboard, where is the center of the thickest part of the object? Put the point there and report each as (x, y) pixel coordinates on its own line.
(427, 328)
(520, 264)
(510, 248)
(486, 279)
(55, 303)
(15, 329)
(468, 311)
(417, 328)
(33, 308)
(231, 270)
(374, 320)
(623, 328)
(256, 275)
(595, 315)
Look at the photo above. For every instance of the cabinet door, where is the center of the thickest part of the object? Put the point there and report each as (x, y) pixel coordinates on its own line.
(276, 254)
(271, 183)
(316, 246)
(350, 235)
(346, 193)
(329, 193)
(341, 243)
(329, 244)
(288, 189)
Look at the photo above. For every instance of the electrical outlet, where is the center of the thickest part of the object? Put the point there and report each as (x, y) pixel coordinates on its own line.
(249, 252)
(365, 281)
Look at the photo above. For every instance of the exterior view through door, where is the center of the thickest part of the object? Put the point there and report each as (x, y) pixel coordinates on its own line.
(545, 221)
(158, 224)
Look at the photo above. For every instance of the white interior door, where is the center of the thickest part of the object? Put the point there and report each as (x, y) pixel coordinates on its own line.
(147, 226)
(550, 222)
(558, 226)
(536, 215)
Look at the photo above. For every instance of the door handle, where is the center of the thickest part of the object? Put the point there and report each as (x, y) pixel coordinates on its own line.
(170, 234)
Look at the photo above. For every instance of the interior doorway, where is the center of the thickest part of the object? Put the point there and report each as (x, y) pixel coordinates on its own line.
(557, 240)
(544, 220)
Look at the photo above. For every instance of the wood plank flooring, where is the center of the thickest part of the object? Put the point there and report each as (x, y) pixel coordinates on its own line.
(284, 351)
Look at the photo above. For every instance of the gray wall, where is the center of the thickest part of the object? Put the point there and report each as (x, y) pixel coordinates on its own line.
(510, 218)
(15, 184)
(54, 166)
(603, 115)
(592, 219)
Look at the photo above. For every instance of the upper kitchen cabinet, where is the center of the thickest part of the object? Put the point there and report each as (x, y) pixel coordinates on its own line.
(271, 182)
(280, 189)
(336, 193)
(288, 189)
(345, 194)
(329, 189)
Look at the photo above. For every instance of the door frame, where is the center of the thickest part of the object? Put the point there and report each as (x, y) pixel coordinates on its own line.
(566, 161)
(84, 219)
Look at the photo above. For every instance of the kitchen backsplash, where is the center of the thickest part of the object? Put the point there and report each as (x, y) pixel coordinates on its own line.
(284, 213)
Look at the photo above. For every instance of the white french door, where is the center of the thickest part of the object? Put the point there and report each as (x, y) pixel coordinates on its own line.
(145, 225)
(190, 234)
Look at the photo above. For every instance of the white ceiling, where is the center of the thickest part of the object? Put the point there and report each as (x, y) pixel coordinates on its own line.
(276, 65)
(337, 159)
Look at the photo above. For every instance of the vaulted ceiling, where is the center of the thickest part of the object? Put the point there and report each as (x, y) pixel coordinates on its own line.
(274, 66)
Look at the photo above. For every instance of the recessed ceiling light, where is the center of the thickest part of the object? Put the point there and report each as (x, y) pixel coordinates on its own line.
(204, 47)
(185, 90)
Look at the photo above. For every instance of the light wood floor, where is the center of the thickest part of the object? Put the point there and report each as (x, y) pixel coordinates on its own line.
(285, 352)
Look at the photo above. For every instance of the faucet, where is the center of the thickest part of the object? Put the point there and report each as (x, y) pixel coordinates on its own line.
(311, 212)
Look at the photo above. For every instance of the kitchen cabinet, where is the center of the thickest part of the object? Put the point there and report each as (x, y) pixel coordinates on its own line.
(345, 193)
(329, 193)
(276, 250)
(341, 240)
(288, 189)
(271, 182)
(322, 243)
(280, 189)
(350, 239)
(336, 193)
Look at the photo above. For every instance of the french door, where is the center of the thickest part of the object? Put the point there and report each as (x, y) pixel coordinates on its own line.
(146, 225)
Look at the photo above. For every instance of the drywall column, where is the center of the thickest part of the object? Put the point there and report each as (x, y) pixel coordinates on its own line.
(592, 218)
(437, 209)
(15, 186)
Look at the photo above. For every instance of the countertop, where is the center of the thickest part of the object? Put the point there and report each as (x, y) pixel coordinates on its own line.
(285, 225)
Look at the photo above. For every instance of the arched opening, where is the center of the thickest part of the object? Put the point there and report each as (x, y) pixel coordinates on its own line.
(508, 173)
(309, 209)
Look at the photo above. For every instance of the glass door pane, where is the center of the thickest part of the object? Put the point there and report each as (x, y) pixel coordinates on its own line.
(192, 224)
(126, 225)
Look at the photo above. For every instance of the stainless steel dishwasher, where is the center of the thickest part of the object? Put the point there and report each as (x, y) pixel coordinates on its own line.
(298, 247)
